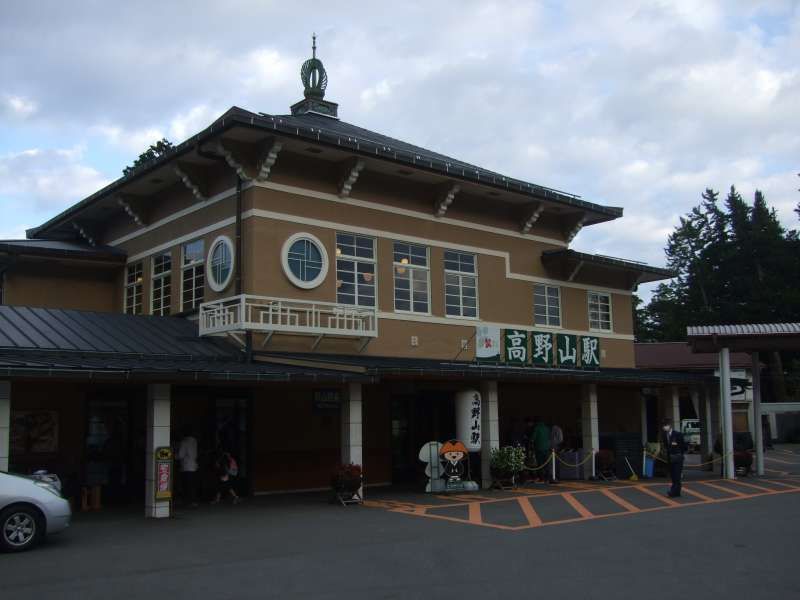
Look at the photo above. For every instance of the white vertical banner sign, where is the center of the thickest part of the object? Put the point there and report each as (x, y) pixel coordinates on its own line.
(468, 419)
(487, 342)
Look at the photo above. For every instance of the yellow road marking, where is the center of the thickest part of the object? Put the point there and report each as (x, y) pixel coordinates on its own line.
(666, 500)
(579, 508)
(529, 512)
(622, 502)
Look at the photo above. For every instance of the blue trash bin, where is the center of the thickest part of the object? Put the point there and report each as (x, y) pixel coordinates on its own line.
(649, 466)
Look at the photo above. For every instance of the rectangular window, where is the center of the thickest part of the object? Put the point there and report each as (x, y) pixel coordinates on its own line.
(162, 284)
(599, 311)
(133, 288)
(193, 276)
(355, 269)
(460, 284)
(411, 278)
(547, 305)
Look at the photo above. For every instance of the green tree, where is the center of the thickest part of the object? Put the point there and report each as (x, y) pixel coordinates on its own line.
(157, 150)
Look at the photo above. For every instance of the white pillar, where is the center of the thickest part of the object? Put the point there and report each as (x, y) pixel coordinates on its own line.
(490, 429)
(158, 426)
(352, 423)
(757, 429)
(590, 424)
(643, 414)
(727, 415)
(706, 425)
(5, 424)
(675, 407)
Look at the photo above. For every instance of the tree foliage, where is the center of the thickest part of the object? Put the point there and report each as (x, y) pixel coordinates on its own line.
(734, 262)
(157, 150)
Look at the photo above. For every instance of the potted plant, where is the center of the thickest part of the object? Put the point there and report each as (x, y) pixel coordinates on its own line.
(346, 483)
(506, 464)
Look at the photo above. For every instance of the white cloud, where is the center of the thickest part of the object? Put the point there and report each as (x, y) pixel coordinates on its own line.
(45, 180)
(17, 107)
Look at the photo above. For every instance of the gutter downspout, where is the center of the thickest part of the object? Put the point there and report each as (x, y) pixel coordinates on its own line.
(248, 335)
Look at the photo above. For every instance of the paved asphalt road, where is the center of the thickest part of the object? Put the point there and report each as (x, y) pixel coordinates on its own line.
(302, 547)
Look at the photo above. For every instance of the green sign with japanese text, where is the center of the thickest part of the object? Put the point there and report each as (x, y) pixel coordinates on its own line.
(516, 346)
(590, 352)
(567, 350)
(542, 353)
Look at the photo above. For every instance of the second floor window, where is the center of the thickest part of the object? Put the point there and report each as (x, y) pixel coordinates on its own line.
(411, 283)
(192, 274)
(133, 288)
(547, 305)
(162, 284)
(460, 284)
(355, 269)
(599, 311)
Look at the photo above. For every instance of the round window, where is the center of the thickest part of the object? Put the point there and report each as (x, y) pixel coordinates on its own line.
(219, 267)
(305, 261)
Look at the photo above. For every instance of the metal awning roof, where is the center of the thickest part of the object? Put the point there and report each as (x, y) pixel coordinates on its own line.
(41, 342)
(748, 337)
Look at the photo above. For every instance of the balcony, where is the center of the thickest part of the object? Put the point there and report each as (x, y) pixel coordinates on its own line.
(281, 315)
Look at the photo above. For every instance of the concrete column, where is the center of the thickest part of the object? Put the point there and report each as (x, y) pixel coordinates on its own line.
(757, 429)
(727, 415)
(590, 423)
(352, 423)
(5, 424)
(674, 407)
(158, 427)
(643, 414)
(706, 428)
(490, 429)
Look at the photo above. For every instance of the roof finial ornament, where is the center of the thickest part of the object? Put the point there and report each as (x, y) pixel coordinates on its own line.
(313, 74)
(315, 80)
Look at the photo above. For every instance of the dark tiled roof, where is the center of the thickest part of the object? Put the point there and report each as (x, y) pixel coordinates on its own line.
(61, 248)
(403, 367)
(339, 134)
(679, 356)
(649, 273)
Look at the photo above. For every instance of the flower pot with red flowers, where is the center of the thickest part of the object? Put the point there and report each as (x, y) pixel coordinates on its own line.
(346, 483)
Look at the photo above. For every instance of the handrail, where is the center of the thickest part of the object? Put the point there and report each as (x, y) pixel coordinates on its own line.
(268, 313)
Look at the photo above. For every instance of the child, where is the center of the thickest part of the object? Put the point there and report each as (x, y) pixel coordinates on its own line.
(227, 470)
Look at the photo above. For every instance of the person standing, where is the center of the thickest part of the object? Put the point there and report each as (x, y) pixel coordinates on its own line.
(675, 447)
(187, 455)
(541, 446)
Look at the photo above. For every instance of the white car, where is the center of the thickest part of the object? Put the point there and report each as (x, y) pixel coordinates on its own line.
(30, 508)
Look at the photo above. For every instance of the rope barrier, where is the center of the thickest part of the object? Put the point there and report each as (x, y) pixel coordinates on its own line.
(583, 462)
(704, 464)
(541, 466)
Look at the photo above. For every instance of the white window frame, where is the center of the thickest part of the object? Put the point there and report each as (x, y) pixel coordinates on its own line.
(461, 274)
(296, 281)
(589, 311)
(547, 306)
(410, 267)
(219, 286)
(193, 265)
(340, 255)
(139, 283)
(154, 277)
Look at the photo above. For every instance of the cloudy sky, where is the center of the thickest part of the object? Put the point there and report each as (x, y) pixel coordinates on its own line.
(635, 104)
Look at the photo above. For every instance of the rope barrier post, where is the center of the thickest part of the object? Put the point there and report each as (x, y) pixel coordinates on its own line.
(553, 458)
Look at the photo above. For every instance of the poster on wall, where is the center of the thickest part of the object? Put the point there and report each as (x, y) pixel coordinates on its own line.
(516, 346)
(542, 349)
(590, 352)
(468, 418)
(567, 350)
(487, 342)
(34, 432)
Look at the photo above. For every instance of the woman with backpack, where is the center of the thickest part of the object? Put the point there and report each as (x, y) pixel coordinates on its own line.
(227, 470)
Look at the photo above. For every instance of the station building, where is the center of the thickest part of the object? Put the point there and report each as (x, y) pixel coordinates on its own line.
(302, 292)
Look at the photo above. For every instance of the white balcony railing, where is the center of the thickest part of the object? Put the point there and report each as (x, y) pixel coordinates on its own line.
(274, 315)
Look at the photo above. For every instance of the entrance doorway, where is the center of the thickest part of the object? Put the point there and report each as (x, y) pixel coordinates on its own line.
(416, 420)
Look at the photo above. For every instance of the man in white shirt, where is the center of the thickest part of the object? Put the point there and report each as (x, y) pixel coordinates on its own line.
(187, 455)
